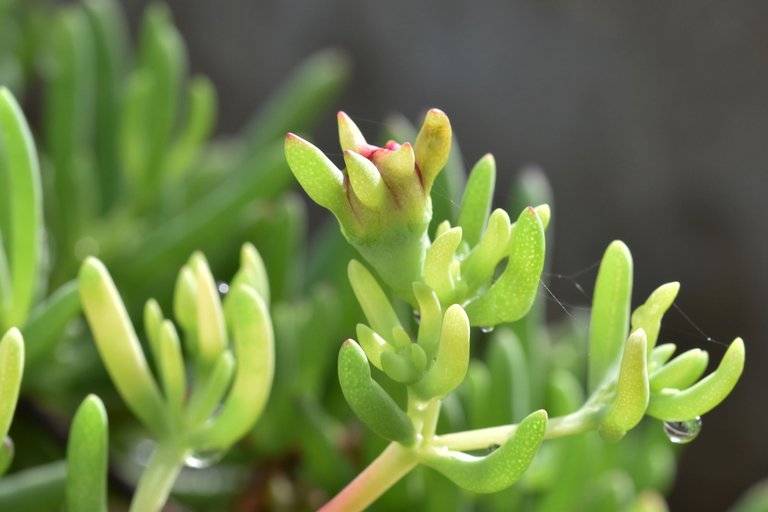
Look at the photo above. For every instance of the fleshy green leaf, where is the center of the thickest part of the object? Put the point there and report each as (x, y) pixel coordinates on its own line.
(608, 327)
(171, 367)
(649, 315)
(681, 372)
(432, 146)
(479, 266)
(365, 180)
(18, 161)
(373, 345)
(476, 202)
(255, 354)
(631, 400)
(211, 328)
(87, 452)
(452, 360)
(350, 136)
(368, 400)
(118, 345)
(674, 405)
(500, 469)
(660, 355)
(430, 319)
(376, 306)
(437, 264)
(513, 293)
(209, 392)
(318, 176)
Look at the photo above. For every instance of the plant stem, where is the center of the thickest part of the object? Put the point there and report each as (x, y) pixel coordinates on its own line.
(157, 480)
(583, 420)
(384, 472)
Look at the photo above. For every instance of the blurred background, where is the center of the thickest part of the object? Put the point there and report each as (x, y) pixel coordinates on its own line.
(650, 120)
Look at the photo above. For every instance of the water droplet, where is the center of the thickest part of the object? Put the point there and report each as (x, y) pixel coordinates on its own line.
(203, 459)
(486, 330)
(682, 432)
(493, 448)
(222, 287)
(417, 316)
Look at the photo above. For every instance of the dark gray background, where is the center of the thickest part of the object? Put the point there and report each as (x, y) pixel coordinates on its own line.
(650, 118)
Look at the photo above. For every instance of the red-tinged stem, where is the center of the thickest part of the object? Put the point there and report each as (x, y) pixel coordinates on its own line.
(384, 472)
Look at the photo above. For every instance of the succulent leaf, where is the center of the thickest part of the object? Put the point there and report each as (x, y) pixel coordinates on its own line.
(632, 394)
(513, 293)
(674, 405)
(500, 469)
(609, 323)
(368, 399)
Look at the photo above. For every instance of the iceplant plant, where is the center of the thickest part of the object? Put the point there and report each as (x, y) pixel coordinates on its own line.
(381, 200)
(187, 424)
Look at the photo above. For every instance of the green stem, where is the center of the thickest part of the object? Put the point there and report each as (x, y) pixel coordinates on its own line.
(583, 420)
(384, 472)
(157, 480)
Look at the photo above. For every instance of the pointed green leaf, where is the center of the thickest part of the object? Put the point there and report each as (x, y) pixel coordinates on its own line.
(365, 180)
(18, 162)
(171, 367)
(681, 372)
(500, 469)
(430, 319)
(437, 263)
(368, 399)
(673, 405)
(255, 353)
(649, 315)
(350, 136)
(185, 301)
(660, 355)
(452, 360)
(373, 301)
(118, 345)
(211, 328)
(373, 345)
(397, 167)
(108, 29)
(432, 146)
(478, 268)
(399, 367)
(476, 202)
(87, 454)
(705, 395)
(208, 393)
(609, 324)
(317, 175)
(631, 400)
(153, 318)
(513, 293)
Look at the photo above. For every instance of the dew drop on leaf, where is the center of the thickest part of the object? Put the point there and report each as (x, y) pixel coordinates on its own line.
(682, 432)
(222, 287)
(203, 459)
(486, 330)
